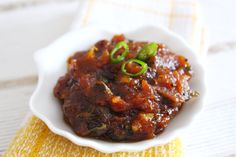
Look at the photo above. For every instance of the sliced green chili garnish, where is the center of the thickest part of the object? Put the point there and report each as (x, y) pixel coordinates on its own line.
(141, 63)
(99, 128)
(120, 57)
(147, 51)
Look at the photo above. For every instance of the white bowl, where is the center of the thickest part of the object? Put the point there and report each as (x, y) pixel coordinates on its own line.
(51, 64)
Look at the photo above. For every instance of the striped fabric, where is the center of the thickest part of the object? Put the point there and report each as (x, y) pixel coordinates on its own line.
(36, 140)
(181, 16)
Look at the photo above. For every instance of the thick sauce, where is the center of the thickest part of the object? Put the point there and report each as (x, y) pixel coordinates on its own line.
(98, 100)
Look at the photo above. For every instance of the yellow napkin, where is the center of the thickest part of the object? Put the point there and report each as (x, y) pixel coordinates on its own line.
(181, 16)
(36, 140)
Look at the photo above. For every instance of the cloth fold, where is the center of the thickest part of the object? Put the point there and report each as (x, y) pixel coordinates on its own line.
(180, 16)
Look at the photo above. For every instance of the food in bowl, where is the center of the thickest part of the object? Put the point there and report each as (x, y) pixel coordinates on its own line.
(124, 90)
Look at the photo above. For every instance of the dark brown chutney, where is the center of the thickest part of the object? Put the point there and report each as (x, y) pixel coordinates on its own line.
(100, 101)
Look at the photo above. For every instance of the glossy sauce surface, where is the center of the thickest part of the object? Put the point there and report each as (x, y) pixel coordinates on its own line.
(99, 101)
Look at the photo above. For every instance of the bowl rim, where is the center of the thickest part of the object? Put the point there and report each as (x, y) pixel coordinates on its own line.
(115, 147)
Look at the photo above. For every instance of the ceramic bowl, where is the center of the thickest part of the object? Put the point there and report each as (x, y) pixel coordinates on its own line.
(51, 64)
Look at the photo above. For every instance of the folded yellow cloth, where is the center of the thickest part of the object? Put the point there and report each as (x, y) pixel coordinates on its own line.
(36, 140)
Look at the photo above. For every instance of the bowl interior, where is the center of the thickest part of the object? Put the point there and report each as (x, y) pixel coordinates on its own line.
(51, 63)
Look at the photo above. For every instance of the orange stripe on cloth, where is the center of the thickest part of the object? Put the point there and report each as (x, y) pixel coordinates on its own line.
(202, 47)
(87, 15)
(171, 13)
(36, 140)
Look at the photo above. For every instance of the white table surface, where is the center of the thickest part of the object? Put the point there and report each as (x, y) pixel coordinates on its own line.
(27, 25)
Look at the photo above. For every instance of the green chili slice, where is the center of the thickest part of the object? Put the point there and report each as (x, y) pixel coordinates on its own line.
(99, 128)
(141, 63)
(147, 51)
(120, 57)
